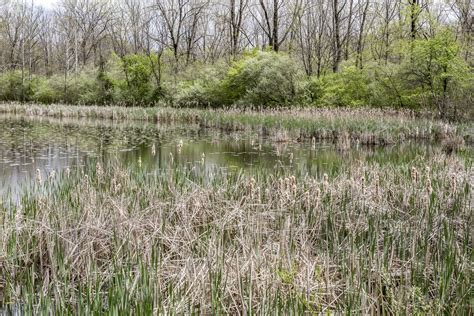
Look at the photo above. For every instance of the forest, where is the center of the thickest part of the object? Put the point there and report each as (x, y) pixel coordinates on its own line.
(415, 54)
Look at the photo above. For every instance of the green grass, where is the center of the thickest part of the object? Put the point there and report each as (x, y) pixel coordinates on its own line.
(365, 125)
(392, 239)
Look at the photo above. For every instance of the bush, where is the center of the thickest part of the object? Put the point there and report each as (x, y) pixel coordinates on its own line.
(14, 88)
(202, 86)
(350, 87)
(435, 74)
(137, 87)
(263, 79)
(49, 90)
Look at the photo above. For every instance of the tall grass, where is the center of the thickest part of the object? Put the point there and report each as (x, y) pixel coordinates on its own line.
(369, 239)
(364, 125)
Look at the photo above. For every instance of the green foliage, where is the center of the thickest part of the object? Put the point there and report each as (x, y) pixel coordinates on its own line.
(15, 88)
(49, 90)
(313, 90)
(83, 88)
(201, 86)
(435, 74)
(425, 73)
(137, 87)
(261, 78)
(346, 88)
(105, 86)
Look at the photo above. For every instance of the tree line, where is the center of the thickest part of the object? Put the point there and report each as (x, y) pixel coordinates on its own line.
(172, 38)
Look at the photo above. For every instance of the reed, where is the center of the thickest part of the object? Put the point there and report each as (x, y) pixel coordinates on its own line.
(391, 239)
(361, 125)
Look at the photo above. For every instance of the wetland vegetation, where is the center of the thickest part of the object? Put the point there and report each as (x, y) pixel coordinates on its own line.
(139, 217)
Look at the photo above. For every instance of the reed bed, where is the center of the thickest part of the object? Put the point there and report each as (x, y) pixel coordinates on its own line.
(363, 125)
(391, 239)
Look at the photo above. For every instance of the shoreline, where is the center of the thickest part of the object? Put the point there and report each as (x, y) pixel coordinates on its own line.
(366, 126)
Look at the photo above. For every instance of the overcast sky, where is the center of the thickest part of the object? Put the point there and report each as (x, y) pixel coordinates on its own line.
(45, 3)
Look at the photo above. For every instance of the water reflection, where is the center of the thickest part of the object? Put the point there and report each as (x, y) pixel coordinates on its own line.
(47, 145)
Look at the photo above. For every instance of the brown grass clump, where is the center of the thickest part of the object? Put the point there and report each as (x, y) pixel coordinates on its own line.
(372, 240)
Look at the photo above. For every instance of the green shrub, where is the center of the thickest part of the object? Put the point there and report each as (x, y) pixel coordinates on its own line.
(49, 90)
(435, 75)
(202, 86)
(83, 88)
(348, 87)
(15, 88)
(312, 91)
(136, 86)
(262, 79)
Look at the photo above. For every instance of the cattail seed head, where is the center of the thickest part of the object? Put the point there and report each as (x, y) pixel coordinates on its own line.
(429, 188)
(99, 170)
(414, 175)
(453, 183)
(38, 176)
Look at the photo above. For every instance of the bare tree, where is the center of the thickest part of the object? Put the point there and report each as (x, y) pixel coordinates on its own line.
(277, 18)
(89, 19)
(464, 11)
(312, 35)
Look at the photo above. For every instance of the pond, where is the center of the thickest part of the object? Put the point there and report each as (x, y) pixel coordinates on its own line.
(29, 146)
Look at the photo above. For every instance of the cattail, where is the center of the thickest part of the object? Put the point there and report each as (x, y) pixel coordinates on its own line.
(377, 186)
(429, 188)
(453, 184)
(52, 175)
(180, 146)
(325, 181)
(86, 181)
(282, 185)
(317, 197)
(414, 175)
(427, 171)
(251, 184)
(294, 189)
(258, 194)
(293, 180)
(38, 176)
(306, 199)
(99, 171)
(19, 219)
(362, 183)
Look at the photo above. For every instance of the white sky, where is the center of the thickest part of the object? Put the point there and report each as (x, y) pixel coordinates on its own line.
(45, 3)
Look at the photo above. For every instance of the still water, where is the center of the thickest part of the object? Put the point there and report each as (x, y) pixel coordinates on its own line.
(44, 145)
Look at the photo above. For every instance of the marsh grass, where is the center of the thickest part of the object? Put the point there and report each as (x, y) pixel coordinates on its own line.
(392, 239)
(361, 125)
